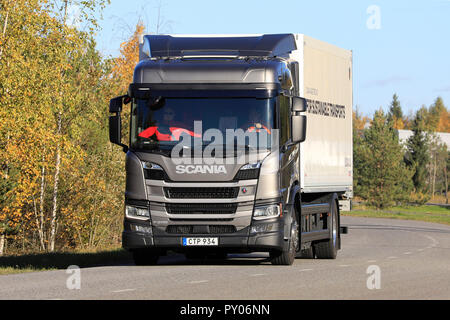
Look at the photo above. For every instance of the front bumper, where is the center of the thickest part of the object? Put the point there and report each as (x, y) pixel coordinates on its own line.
(245, 240)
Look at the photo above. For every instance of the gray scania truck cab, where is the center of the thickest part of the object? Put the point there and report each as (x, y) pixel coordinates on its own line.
(287, 200)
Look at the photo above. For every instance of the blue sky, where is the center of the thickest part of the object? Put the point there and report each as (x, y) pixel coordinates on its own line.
(409, 54)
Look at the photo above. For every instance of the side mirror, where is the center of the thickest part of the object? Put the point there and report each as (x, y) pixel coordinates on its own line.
(299, 104)
(115, 105)
(115, 129)
(298, 129)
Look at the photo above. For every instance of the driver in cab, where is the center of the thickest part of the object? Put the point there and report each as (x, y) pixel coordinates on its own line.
(256, 123)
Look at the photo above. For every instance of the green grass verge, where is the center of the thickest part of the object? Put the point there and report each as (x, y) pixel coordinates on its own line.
(54, 261)
(434, 214)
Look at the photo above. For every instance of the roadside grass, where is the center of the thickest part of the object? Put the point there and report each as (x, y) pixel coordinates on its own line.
(430, 213)
(54, 261)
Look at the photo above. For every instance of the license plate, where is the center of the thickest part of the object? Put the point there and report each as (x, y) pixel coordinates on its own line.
(200, 241)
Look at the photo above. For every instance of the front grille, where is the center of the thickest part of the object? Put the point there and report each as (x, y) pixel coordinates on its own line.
(213, 229)
(221, 229)
(201, 193)
(201, 208)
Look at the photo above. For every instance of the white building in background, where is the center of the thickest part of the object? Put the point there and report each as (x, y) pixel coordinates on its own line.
(443, 136)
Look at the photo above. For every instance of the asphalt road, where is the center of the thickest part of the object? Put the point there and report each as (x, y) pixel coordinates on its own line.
(413, 259)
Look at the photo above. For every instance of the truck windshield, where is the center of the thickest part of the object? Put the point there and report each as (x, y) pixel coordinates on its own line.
(160, 122)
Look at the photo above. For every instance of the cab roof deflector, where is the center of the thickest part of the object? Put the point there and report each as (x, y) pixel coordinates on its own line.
(272, 45)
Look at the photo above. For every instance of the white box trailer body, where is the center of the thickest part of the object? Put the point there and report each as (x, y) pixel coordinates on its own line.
(325, 80)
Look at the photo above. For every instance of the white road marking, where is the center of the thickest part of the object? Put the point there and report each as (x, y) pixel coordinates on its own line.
(344, 265)
(199, 281)
(257, 275)
(435, 242)
(370, 261)
(392, 257)
(124, 290)
(305, 270)
(407, 252)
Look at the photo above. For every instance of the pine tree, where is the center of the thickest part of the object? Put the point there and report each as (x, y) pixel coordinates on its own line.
(395, 108)
(446, 173)
(395, 113)
(418, 157)
(381, 176)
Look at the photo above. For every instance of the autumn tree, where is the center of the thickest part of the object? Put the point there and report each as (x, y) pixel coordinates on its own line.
(23, 91)
(439, 116)
(359, 120)
(42, 98)
(123, 66)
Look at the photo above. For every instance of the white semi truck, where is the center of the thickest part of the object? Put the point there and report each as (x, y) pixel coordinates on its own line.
(238, 143)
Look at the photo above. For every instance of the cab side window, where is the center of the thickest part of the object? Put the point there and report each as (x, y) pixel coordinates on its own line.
(285, 119)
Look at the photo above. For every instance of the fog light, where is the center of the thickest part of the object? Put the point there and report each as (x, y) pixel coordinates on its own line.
(142, 229)
(261, 228)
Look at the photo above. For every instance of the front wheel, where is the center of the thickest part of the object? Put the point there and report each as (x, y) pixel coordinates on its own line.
(287, 258)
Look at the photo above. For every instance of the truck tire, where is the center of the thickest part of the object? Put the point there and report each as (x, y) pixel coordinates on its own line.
(306, 253)
(145, 257)
(328, 249)
(287, 258)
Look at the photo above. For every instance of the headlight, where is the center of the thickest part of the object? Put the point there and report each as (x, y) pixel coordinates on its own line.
(267, 212)
(137, 212)
(151, 166)
(251, 166)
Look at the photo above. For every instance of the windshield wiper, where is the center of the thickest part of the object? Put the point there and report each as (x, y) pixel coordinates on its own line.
(234, 147)
(153, 147)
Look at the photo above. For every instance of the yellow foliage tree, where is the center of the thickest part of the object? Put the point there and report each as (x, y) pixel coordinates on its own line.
(359, 121)
(129, 57)
(398, 123)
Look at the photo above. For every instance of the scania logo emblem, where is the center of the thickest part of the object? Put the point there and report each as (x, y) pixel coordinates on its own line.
(191, 169)
(244, 190)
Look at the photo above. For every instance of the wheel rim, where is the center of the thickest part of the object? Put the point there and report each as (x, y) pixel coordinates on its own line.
(294, 236)
(334, 231)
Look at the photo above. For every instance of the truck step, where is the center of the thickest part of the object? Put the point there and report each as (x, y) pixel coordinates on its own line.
(344, 230)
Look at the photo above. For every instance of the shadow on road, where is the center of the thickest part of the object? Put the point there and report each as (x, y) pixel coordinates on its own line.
(232, 259)
(61, 261)
(64, 260)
